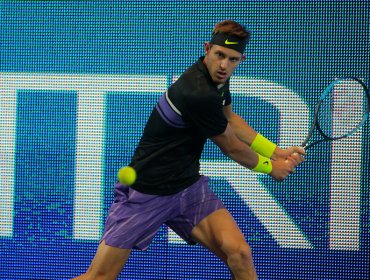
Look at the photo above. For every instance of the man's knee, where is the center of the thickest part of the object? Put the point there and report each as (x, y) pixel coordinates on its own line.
(240, 257)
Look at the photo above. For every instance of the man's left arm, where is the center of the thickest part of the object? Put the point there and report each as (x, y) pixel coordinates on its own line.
(248, 135)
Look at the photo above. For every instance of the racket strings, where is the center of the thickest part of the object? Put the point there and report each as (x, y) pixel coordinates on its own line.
(343, 109)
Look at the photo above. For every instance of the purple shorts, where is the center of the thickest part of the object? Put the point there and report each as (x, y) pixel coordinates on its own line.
(134, 218)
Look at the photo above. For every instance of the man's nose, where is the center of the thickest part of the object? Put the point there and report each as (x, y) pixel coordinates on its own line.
(224, 64)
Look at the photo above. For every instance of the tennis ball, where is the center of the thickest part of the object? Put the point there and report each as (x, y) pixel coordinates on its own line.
(126, 175)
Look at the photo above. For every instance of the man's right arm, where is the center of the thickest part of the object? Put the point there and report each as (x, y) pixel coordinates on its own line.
(241, 153)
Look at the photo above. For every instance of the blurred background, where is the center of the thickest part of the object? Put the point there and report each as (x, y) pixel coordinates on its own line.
(78, 80)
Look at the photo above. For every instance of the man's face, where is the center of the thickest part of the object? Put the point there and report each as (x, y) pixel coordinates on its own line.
(221, 62)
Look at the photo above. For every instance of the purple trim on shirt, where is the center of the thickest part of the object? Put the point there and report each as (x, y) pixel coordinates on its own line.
(168, 114)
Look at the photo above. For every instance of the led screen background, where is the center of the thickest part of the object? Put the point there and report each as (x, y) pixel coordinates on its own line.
(78, 80)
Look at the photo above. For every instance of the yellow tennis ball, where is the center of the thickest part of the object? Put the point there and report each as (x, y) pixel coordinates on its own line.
(126, 175)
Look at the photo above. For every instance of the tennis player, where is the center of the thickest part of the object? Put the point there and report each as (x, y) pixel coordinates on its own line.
(169, 189)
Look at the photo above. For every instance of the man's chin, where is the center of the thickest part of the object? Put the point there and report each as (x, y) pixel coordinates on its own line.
(218, 80)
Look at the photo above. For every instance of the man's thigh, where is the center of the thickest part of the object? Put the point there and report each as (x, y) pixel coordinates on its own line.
(107, 263)
(219, 233)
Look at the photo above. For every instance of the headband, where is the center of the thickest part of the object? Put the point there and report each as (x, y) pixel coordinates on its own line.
(229, 41)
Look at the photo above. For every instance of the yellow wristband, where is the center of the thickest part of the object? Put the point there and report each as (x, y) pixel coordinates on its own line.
(263, 146)
(264, 165)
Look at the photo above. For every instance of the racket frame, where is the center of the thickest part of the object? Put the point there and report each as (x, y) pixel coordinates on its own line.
(316, 124)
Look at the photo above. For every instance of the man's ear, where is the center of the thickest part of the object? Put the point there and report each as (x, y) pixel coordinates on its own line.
(207, 46)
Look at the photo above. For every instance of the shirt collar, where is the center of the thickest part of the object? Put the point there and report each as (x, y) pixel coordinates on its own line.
(203, 68)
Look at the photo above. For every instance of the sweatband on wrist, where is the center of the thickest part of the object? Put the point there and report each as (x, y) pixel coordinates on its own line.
(264, 165)
(263, 146)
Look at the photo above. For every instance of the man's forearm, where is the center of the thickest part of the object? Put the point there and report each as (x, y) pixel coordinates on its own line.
(246, 133)
(242, 129)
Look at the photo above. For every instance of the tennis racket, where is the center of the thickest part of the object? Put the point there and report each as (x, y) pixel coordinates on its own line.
(342, 110)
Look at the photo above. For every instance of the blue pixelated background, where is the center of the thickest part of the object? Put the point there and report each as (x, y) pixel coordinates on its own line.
(78, 80)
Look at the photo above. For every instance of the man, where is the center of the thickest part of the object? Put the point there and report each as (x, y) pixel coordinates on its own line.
(169, 189)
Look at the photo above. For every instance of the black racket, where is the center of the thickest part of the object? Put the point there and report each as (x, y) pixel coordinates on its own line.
(342, 110)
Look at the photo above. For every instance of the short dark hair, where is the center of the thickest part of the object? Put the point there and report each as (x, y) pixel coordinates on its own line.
(231, 27)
